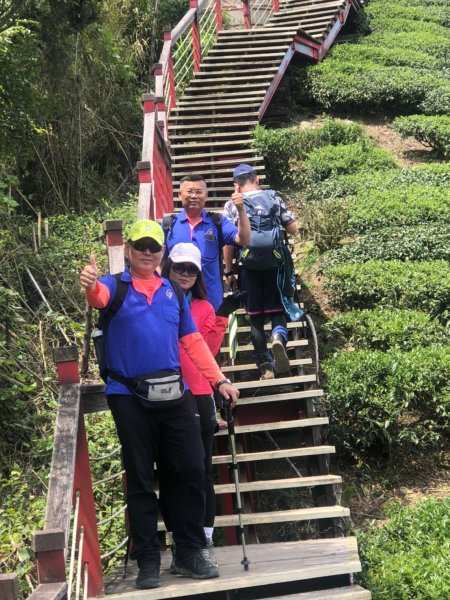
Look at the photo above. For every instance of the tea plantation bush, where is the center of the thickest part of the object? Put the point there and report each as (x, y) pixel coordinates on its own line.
(380, 400)
(405, 205)
(386, 70)
(416, 285)
(433, 131)
(282, 147)
(341, 159)
(386, 328)
(420, 242)
(408, 556)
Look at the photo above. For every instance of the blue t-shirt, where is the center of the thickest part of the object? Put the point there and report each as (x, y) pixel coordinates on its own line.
(142, 338)
(205, 237)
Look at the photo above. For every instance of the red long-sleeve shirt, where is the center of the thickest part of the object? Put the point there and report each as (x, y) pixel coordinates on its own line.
(212, 329)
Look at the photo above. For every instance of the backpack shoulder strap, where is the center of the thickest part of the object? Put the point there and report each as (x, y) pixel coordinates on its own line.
(167, 223)
(178, 293)
(216, 218)
(117, 301)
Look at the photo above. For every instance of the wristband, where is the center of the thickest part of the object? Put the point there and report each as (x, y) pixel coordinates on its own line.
(222, 381)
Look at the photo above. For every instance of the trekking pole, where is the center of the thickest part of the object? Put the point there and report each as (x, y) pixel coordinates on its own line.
(234, 464)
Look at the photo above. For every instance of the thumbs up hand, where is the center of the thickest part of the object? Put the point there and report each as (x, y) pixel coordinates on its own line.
(88, 276)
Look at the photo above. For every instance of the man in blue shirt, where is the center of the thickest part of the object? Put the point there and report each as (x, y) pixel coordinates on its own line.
(194, 224)
(153, 419)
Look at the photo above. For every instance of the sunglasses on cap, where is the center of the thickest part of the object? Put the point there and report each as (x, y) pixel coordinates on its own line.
(146, 244)
(185, 269)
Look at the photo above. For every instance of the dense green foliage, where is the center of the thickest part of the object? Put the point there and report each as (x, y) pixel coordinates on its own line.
(432, 131)
(387, 70)
(418, 285)
(419, 242)
(385, 328)
(408, 556)
(381, 400)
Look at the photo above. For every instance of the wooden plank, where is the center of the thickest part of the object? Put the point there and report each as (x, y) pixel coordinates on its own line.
(268, 326)
(249, 347)
(283, 516)
(59, 496)
(270, 564)
(259, 383)
(9, 586)
(50, 591)
(223, 459)
(279, 397)
(352, 592)
(278, 484)
(278, 426)
(252, 366)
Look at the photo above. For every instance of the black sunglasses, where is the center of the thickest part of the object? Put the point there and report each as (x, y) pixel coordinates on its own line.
(185, 268)
(146, 244)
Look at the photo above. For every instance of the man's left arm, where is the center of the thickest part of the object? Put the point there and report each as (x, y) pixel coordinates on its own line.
(242, 237)
(287, 218)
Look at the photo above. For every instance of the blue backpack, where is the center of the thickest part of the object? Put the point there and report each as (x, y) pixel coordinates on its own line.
(265, 250)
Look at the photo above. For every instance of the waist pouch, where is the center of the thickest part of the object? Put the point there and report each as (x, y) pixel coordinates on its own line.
(157, 388)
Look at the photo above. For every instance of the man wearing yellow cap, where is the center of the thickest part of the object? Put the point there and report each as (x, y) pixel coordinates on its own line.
(145, 395)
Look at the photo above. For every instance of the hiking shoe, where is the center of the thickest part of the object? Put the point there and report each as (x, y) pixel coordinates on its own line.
(148, 576)
(208, 552)
(280, 357)
(195, 564)
(266, 371)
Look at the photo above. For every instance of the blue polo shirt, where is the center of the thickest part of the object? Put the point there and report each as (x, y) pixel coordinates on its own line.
(143, 338)
(205, 237)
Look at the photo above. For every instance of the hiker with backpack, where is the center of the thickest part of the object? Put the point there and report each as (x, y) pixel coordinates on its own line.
(265, 268)
(145, 393)
(209, 231)
(183, 266)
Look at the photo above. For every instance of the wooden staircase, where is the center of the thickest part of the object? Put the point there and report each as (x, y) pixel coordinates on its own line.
(210, 130)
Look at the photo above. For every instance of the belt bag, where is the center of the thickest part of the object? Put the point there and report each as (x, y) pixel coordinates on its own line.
(159, 387)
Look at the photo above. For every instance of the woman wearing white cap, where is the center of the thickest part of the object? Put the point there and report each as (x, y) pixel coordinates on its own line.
(183, 266)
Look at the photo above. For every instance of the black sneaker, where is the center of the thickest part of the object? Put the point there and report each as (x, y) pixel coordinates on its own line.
(148, 576)
(195, 564)
(280, 357)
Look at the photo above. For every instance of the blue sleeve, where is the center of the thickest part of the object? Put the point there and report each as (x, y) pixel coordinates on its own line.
(187, 324)
(111, 283)
(229, 232)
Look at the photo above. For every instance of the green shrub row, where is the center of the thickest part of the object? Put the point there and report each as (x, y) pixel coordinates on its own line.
(385, 328)
(416, 285)
(378, 401)
(433, 131)
(420, 242)
(407, 558)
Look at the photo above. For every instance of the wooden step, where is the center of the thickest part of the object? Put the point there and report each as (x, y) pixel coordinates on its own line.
(217, 90)
(268, 326)
(270, 564)
(255, 31)
(193, 107)
(214, 180)
(223, 459)
(252, 366)
(214, 59)
(351, 592)
(265, 485)
(297, 395)
(273, 41)
(222, 52)
(223, 171)
(283, 516)
(177, 159)
(242, 135)
(278, 425)
(193, 126)
(212, 118)
(306, 9)
(249, 347)
(231, 79)
(250, 71)
(276, 381)
(210, 144)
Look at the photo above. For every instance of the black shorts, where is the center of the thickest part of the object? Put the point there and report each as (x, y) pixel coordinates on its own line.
(263, 296)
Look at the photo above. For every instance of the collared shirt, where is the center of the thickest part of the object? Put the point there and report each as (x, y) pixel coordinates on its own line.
(143, 335)
(205, 236)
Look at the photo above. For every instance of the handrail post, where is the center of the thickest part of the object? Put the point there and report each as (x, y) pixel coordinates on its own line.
(146, 200)
(219, 17)
(49, 548)
(115, 246)
(170, 74)
(276, 6)
(196, 41)
(9, 586)
(247, 14)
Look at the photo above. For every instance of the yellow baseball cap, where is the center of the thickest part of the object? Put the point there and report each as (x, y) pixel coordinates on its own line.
(144, 228)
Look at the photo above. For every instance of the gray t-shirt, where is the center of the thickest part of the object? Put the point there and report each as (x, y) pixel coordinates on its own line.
(230, 211)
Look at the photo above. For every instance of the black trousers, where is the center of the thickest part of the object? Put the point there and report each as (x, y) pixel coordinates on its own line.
(171, 438)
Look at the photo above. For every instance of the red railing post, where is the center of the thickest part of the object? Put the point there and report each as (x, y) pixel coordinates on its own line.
(276, 6)
(146, 201)
(9, 586)
(218, 12)
(115, 246)
(247, 14)
(170, 74)
(196, 41)
(49, 548)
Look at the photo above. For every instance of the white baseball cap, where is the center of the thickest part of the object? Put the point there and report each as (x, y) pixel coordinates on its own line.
(186, 253)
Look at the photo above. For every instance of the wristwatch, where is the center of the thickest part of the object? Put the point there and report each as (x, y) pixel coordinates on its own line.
(219, 383)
